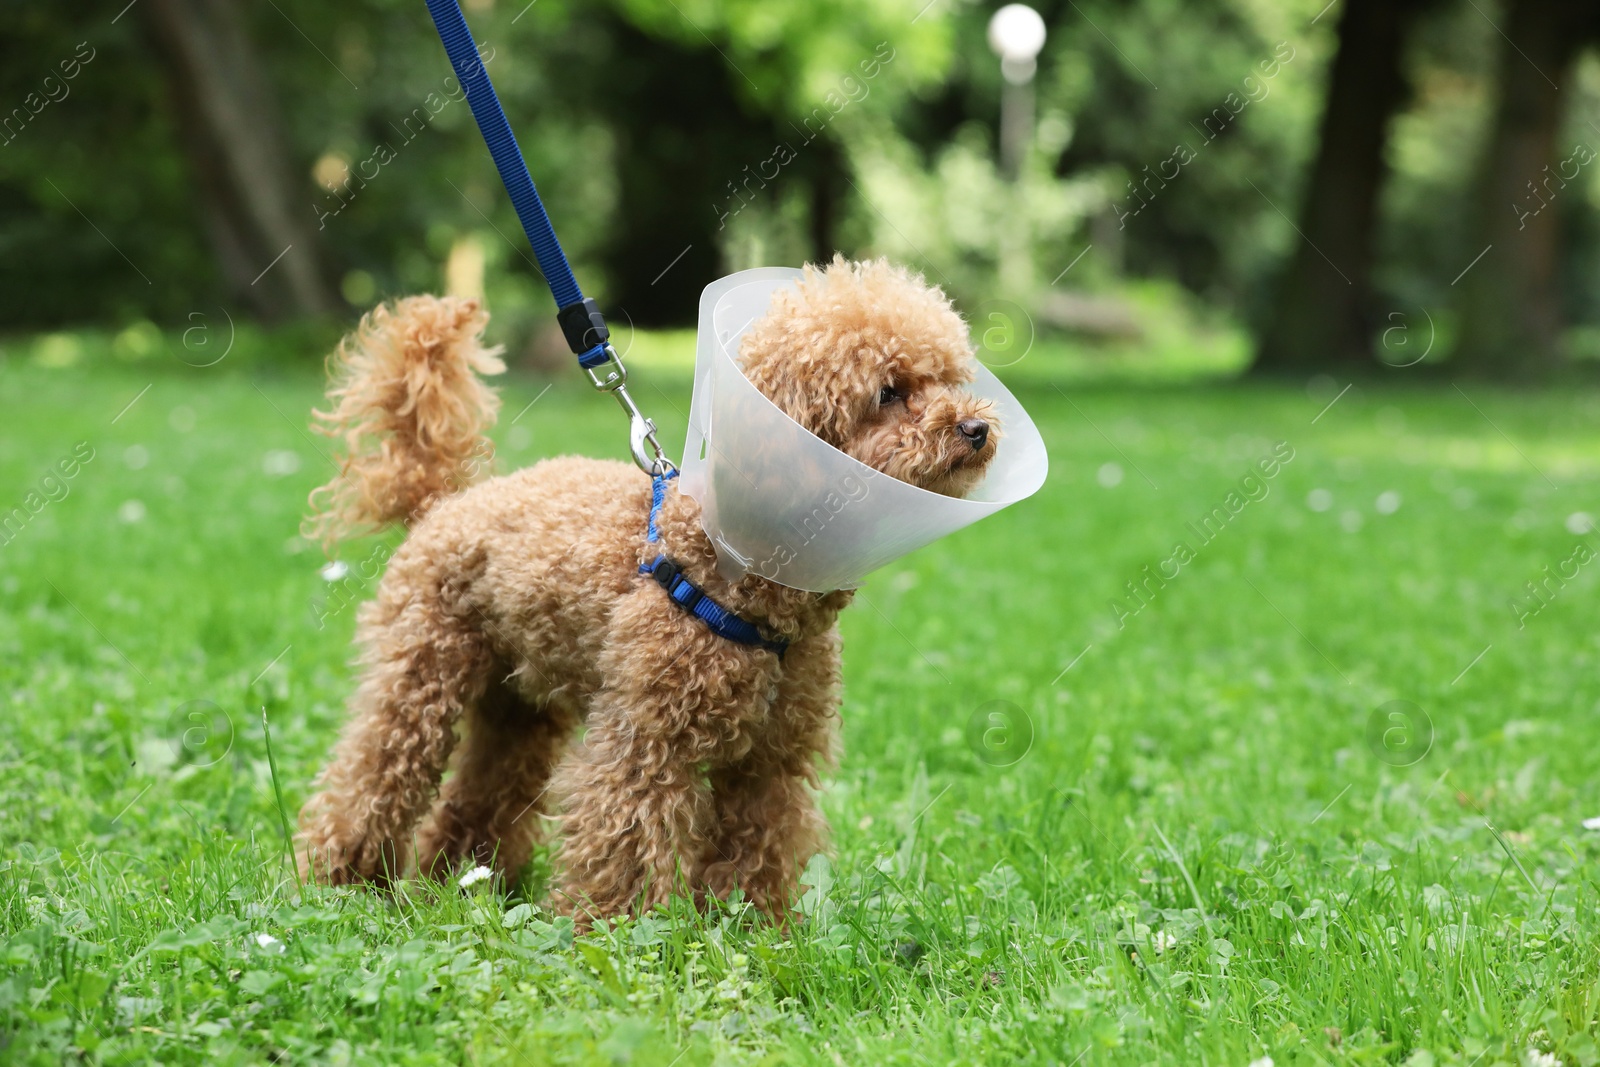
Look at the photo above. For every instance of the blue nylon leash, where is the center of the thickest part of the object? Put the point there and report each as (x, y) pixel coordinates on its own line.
(658, 496)
(582, 324)
(496, 130)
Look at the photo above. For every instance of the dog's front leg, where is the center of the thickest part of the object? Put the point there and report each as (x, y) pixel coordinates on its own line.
(675, 699)
(768, 824)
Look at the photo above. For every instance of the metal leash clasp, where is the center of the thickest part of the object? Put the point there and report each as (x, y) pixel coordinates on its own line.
(612, 377)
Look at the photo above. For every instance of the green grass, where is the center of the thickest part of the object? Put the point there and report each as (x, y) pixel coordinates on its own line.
(1206, 850)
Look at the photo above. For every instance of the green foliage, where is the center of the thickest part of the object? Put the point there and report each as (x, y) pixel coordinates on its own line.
(101, 143)
(365, 90)
(1144, 81)
(1173, 138)
(961, 221)
(793, 55)
(1200, 857)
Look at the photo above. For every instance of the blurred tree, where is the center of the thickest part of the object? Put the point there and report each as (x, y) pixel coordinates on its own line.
(227, 121)
(1510, 302)
(1322, 315)
(743, 131)
(685, 140)
(1421, 242)
(95, 219)
(720, 109)
(1196, 114)
(164, 185)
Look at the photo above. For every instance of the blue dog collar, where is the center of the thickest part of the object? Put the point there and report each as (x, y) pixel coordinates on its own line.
(691, 598)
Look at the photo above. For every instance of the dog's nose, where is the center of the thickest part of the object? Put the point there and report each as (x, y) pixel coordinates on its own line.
(976, 431)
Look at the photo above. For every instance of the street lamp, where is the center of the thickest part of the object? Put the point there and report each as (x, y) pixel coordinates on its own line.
(1016, 34)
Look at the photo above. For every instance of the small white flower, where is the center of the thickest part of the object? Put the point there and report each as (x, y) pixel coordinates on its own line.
(1592, 824)
(267, 942)
(280, 462)
(335, 570)
(1542, 1059)
(474, 876)
(1265, 1061)
(1162, 941)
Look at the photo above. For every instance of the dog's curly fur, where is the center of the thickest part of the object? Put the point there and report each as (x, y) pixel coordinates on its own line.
(515, 612)
(410, 411)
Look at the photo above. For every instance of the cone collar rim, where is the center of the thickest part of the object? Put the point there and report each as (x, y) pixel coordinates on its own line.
(1008, 480)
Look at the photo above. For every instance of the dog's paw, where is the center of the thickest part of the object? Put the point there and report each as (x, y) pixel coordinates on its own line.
(376, 866)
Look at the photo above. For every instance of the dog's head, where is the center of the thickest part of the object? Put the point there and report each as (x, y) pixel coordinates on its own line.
(873, 360)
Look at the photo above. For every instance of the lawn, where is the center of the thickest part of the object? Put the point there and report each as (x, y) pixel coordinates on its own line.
(1071, 825)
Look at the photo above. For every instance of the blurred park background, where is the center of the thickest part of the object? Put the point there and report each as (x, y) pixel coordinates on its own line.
(1214, 186)
(1316, 788)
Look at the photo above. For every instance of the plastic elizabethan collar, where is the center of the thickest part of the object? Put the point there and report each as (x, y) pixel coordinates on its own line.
(780, 502)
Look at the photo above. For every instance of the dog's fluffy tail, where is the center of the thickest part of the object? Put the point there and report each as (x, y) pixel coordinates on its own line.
(410, 411)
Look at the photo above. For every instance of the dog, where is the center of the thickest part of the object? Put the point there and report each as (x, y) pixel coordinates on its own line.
(515, 615)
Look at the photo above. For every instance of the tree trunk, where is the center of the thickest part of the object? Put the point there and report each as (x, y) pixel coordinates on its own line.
(827, 170)
(1510, 302)
(229, 128)
(683, 181)
(1322, 316)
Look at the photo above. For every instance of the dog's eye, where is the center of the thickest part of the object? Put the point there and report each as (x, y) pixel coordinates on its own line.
(889, 394)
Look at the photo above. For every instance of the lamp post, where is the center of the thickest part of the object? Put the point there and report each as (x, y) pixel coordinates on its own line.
(1016, 34)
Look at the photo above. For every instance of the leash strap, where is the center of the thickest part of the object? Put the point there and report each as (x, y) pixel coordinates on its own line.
(658, 496)
(581, 322)
(690, 597)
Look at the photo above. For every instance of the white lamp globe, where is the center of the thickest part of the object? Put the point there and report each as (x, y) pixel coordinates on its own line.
(1016, 32)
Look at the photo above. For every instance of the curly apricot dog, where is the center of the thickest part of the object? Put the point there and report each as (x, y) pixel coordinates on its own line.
(515, 612)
